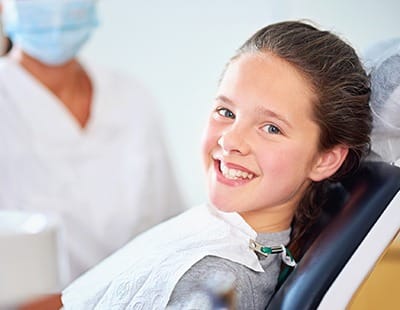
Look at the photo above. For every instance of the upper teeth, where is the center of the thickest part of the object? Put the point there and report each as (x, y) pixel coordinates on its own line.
(234, 173)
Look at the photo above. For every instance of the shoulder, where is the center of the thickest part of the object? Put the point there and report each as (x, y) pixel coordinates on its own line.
(8, 68)
(120, 84)
(4, 61)
(106, 73)
(250, 288)
(12, 79)
(123, 93)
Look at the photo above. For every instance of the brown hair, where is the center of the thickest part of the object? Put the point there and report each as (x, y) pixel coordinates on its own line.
(341, 109)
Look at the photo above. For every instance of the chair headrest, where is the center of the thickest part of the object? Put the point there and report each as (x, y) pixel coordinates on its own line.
(383, 60)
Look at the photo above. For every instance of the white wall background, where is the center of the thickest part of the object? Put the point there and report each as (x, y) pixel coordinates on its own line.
(179, 47)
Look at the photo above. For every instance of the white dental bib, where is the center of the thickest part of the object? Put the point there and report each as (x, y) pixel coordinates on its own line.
(143, 274)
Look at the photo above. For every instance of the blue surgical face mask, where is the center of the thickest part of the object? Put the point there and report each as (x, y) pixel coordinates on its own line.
(51, 31)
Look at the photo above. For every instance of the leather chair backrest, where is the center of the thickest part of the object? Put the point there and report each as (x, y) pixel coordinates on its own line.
(354, 206)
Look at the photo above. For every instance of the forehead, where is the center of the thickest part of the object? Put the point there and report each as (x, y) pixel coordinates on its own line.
(264, 79)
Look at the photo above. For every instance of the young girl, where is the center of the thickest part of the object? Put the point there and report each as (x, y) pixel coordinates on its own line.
(291, 114)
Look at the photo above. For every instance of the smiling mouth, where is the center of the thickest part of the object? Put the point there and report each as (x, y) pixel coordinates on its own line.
(234, 174)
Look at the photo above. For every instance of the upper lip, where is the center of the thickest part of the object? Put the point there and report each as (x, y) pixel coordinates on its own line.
(232, 165)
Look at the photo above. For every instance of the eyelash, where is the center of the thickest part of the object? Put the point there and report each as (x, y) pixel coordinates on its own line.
(276, 130)
(221, 111)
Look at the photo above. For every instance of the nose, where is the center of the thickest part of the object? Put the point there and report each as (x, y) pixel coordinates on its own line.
(232, 142)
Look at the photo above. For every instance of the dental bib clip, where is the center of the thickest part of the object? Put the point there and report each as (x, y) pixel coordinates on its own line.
(286, 257)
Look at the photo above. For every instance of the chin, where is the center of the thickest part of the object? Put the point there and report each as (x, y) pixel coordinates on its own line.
(222, 205)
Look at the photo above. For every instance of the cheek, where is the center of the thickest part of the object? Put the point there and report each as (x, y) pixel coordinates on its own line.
(209, 141)
(283, 160)
(272, 161)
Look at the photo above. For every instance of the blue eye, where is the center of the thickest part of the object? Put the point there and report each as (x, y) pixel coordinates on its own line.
(225, 113)
(272, 129)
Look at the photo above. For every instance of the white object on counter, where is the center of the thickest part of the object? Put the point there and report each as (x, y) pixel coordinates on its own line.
(31, 261)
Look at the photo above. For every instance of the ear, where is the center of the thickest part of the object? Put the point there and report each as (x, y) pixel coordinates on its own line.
(328, 162)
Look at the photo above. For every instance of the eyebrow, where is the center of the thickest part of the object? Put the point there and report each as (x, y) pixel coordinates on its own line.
(224, 99)
(260, 111)
(269, 113)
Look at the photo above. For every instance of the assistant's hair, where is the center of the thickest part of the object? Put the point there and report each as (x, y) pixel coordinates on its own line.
(341, 109)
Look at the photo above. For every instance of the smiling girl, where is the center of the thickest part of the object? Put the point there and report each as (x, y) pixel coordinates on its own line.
(290, 115)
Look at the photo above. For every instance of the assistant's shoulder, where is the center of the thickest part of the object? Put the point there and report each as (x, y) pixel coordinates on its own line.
(11, 76)
(120, 88)
(4, 60)
(113, 77)
(7, 66)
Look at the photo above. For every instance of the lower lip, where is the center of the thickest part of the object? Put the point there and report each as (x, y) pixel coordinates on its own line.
(230, 182)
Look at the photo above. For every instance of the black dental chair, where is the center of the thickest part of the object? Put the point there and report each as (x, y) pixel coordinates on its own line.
(362, 217)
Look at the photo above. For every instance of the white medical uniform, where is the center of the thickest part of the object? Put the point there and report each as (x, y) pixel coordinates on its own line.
(107, 182)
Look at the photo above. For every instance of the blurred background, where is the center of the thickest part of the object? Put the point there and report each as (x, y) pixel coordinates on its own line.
(178, 48)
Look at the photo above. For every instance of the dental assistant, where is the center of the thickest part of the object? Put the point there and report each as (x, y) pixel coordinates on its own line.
(78, 141)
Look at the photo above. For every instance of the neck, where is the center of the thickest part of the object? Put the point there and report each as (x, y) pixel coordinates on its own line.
(269, 220)
(55, 78)
(68, 82)
(276, 218)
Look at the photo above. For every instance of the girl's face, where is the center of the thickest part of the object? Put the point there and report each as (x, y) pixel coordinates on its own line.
(260, 144)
